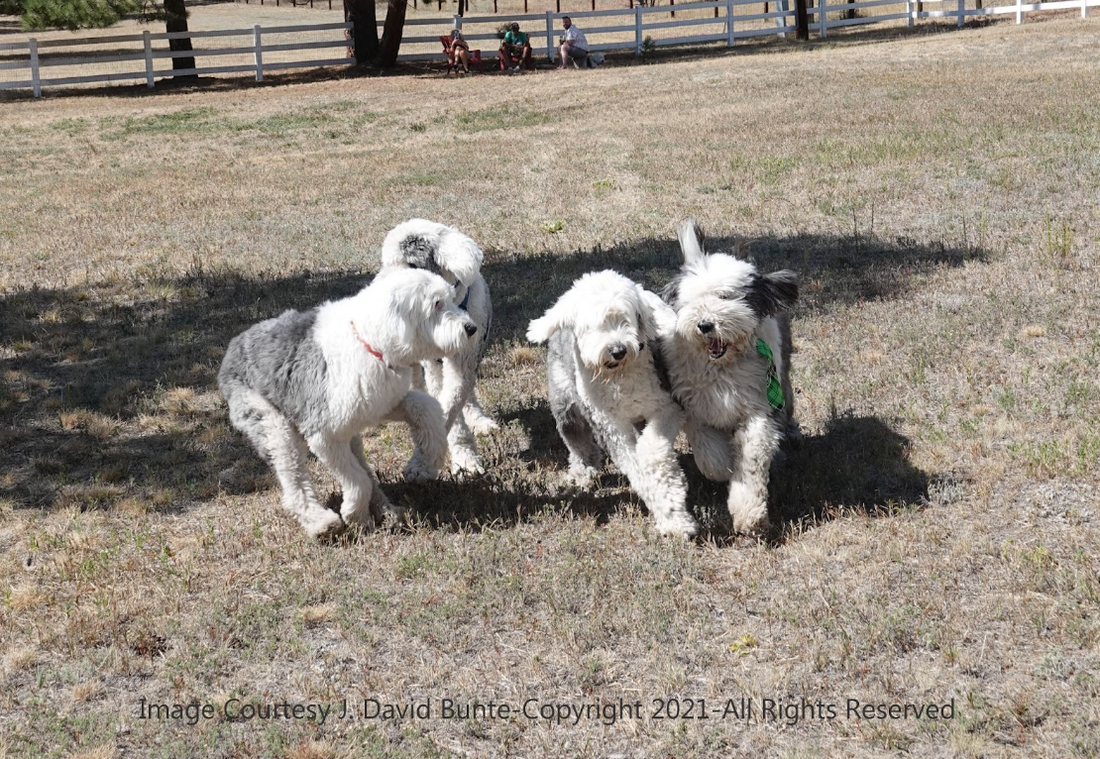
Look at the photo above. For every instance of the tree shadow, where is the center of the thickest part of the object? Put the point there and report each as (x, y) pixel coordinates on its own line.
(832, 269)
(108, 391)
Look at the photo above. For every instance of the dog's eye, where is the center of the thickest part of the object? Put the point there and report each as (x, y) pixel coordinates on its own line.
(438, 305)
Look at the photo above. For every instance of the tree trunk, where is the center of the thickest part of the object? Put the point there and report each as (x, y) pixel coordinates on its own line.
(364, 32)
(801, 20)
(176, 14)
(391, 33)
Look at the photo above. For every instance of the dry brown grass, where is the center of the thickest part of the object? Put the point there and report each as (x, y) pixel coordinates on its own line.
(937, 194)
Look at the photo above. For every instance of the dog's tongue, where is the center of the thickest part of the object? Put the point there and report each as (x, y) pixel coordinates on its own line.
(716, 346)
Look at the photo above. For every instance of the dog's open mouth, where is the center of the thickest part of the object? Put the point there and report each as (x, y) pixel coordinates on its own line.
(717, 348)
(612, 365)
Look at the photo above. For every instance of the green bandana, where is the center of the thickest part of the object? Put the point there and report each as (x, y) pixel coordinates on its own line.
(775, 390)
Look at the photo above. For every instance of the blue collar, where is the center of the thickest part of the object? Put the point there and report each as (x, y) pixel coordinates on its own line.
(465, 300)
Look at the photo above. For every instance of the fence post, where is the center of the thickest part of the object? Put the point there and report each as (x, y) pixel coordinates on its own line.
(638, 30)
(258, 47)
(1019, 11)
(821, 17)
(729, 23)
(781, 20)
(909, 13)
(148, 58)
(36, 80)
(1084, 8)
(550, 35)
(456, 22)
(962, 13)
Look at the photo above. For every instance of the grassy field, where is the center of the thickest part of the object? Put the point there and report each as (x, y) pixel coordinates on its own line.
(937, 192)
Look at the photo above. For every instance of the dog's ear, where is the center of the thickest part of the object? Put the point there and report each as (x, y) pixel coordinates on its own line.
(560, 316)
(670, 293)
(772, 293)
(691, 238)
(459, 255)
(647, 323)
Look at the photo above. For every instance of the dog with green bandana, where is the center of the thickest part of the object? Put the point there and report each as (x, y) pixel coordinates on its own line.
(726, 343)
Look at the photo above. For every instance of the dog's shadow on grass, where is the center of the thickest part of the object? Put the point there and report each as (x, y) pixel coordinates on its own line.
(108, 391)
(858, 466)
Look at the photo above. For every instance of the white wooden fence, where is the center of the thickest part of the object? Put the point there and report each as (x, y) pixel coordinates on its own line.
(258, 50)
(145, 57)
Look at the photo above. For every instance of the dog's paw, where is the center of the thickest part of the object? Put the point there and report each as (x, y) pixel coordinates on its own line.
(678, 523)
(482, 425)
(357, 514)
(419, 470)
(324, 526)
(465, 462)
(580, 478)
(749, 510)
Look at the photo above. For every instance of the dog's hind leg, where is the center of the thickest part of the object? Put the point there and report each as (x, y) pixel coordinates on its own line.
(711, 449)
(758, 441)
(284, 449)
(356, 481)
(792, 431)
(381, 508)
(585, 454)
(424, 416)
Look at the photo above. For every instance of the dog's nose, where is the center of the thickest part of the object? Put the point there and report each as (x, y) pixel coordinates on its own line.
(470, 328)
(617, 351)
(706, 327)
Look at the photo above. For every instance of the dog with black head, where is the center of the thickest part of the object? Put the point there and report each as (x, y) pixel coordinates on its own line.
(727, 345)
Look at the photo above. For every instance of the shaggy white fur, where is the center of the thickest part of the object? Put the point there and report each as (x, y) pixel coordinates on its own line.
(429, 245)
(316, 379)
(721, 308)
(606, 393)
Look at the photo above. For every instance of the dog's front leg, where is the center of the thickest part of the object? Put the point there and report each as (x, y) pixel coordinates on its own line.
(758, 441)
(659, 480)
(459, 374)
(381, 508)
(424, 416)
(711, 450)
(355, 479)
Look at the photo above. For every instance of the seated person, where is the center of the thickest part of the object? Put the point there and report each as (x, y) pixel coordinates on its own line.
(574, 45)
(461, 50)
(516, 47)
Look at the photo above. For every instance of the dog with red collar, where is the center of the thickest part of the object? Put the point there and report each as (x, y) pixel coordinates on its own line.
(313, 381)
(442, 249)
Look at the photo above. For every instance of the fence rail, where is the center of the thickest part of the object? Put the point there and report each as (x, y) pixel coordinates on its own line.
(127, 58)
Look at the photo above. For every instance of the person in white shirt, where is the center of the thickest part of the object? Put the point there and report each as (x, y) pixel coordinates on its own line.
(574, 46)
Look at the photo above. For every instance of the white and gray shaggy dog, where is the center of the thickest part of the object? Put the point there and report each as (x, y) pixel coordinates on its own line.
(606, 392)
(316, 379)
(728, 348)
(435, 247)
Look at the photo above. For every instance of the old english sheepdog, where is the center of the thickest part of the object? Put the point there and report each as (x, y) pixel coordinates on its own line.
(318, 378)
(727, 345)
(423, 244)
(606, 392)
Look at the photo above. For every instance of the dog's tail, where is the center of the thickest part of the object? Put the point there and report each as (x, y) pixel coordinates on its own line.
(691, 238)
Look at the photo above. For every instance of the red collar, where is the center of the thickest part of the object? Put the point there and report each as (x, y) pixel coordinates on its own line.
(368, 346)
